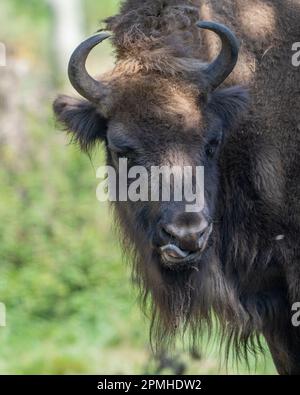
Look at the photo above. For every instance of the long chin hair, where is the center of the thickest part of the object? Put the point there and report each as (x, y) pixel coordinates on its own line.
(190, 301)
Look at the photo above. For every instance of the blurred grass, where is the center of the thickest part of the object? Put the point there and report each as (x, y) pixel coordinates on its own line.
(70, 305)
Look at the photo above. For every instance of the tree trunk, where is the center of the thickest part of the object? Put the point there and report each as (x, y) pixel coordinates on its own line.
(68, 29)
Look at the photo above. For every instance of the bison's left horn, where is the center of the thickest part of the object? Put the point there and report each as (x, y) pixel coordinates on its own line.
(217, 71)
(84, 84)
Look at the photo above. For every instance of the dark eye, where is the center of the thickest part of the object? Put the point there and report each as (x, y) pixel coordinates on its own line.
(124, 152)
(119, 145)
(212, 147)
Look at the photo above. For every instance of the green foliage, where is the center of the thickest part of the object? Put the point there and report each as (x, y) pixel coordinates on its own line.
(62, 277)
(98, 10)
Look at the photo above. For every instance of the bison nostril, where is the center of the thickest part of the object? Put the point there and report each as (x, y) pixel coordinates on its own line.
(201, 234)
(167, 235)
(165, 232)
(204, 236)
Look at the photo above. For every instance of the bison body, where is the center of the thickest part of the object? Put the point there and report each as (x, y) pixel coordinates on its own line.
(164, 104)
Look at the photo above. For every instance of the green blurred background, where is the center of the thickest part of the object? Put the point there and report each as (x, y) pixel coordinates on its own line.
(70, 305)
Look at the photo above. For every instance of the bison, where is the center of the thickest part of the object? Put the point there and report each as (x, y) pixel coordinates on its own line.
(184, 92)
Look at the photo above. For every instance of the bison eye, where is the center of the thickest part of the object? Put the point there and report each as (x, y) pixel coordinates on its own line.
(212, 147)
(118, 152)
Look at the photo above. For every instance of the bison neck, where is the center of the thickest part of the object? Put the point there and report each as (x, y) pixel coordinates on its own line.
(260, 184)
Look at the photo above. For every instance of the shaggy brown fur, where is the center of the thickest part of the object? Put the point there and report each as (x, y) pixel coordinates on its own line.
(157, 106)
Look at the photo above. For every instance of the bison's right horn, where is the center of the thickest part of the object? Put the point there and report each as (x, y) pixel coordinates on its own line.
(84, 84)
(217, 71)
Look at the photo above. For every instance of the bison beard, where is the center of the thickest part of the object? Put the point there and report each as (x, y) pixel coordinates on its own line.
(197, 299)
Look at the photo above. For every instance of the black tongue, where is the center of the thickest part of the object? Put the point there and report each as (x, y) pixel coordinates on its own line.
(174, 251)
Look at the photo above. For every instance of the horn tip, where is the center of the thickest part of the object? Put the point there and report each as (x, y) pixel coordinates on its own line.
(219, 28)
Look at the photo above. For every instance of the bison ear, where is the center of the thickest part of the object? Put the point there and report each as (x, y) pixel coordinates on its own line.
(231, 105)
(81, 119)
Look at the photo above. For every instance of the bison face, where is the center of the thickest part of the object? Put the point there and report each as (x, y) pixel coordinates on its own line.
(161, 123)
(170, 125)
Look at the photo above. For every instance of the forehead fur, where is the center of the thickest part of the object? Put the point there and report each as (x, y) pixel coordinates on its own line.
(152, 24)
(153, 98)
(155, 35)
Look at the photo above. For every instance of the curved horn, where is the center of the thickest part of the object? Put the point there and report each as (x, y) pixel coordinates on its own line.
(222, 66)
(84, 84)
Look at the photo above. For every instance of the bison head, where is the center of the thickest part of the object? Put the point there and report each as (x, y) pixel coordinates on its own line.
(156, 116)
